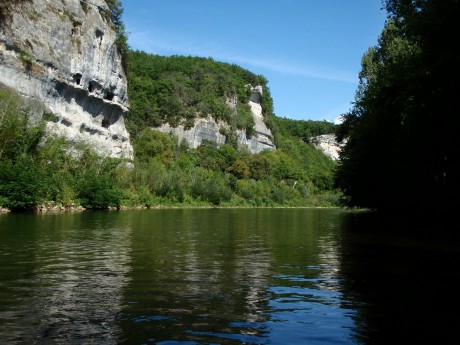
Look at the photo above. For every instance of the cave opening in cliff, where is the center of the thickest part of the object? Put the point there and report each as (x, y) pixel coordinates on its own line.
(77, 78)
(109, 96)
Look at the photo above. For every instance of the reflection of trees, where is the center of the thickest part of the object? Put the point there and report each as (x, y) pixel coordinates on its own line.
(308, 288)
(207, 274)
(222, 275)
(401, 285)
(203, 272)
(74, 291)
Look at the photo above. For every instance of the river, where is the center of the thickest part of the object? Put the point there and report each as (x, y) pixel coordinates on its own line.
(223, 276)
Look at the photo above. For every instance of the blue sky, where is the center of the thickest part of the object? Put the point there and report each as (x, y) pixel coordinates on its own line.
(309, 50)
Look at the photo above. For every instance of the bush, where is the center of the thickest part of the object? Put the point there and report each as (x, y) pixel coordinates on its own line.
(22, 184)
(98, 192)
(211, 187)
(151, 144)
(17, 137)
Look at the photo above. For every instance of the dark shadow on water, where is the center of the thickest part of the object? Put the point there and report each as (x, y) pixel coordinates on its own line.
(423, 223)
(401, 273)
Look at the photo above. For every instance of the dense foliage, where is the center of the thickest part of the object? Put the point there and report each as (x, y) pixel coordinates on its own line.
(179, 89)
(35, 170)
(296, 174)
(303, 129)
(402, 151)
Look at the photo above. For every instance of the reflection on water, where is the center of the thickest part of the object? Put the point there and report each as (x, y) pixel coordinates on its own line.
(219, 276)
(235, 276)
(404, 287)
(62, 279)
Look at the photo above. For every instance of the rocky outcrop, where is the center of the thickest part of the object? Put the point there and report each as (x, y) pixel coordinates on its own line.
(262, 138)
(328, 144)
(204, 129)
(63, 54)
(210, 129)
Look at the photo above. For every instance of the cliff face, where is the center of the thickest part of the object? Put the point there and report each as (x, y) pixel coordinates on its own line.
(209, 128)
(263, 138)
(63, 54)
(328, 144)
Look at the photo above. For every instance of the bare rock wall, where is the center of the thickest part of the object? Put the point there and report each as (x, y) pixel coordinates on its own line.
(63, 54)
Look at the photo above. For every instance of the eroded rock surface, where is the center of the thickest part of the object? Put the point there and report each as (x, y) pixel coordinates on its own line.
(63, 54)
(328, 144)
(210, 129)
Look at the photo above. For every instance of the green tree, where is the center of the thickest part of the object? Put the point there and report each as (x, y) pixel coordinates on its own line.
(177, 89)
(97, 191)
(239, 169)
(153, 144)
(58, 164)
(17, 136)
(22, 183)
(210, 186)
(401, 151)
(96, 181)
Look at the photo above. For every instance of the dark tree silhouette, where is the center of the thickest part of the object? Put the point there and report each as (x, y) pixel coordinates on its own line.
(402, 152)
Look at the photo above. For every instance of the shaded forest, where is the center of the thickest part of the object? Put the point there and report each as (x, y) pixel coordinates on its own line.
(402, 153)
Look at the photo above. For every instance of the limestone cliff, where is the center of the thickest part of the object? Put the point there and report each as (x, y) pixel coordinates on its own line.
(63, 54)
(263, 138)
(210, 129)
(328, 144)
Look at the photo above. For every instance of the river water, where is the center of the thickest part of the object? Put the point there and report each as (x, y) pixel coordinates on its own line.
(223, 276)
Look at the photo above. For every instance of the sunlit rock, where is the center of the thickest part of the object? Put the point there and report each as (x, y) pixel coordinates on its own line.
(214, 130)
(328, 144)
(63, 54)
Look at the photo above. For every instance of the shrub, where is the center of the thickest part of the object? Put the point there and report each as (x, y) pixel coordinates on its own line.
(98, 192)
(151, 144)
(22, 183)
(211, 187)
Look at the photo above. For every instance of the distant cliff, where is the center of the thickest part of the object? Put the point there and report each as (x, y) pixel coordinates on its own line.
(217, 131)
(328, 144)
(63, 54)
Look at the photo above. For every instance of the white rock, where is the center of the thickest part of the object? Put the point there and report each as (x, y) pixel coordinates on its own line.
(209, 128)
(328, 144)
(63, 54)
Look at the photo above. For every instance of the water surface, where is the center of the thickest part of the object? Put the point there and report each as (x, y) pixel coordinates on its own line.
(221, 276)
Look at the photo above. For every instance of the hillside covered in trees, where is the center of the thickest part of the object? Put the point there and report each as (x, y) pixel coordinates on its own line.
(36, 169)
(180, 89)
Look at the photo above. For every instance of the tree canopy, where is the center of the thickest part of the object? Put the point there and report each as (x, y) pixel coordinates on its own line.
(304, 129)
(401, 151)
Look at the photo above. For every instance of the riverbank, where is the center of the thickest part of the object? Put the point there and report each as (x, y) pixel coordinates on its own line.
(60, 208)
